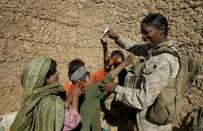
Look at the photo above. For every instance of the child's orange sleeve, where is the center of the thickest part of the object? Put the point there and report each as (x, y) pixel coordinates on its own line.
(98, 75)
(68, 87)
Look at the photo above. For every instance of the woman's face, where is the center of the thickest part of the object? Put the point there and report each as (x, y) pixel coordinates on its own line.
(53, 78)
(152, 35)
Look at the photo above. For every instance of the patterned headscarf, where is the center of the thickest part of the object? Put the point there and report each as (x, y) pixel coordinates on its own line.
(79, 74)
(42, 108)
(35, 72)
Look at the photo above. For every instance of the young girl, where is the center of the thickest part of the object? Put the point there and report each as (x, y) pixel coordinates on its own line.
(90, 103)
(156, 72)
(43, 107)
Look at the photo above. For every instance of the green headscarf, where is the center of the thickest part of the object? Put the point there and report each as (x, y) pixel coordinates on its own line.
(42, 108)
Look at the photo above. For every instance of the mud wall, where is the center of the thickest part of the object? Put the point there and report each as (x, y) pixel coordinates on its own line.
(68, 29)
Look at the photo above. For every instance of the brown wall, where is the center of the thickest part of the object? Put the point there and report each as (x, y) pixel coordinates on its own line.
(68, 29)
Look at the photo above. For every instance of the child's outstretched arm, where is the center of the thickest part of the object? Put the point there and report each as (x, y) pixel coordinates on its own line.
(105, 53)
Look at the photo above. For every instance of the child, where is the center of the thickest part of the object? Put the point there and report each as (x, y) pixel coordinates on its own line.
(116, 114)
(98, 74)
(95, 76)
(90, 106)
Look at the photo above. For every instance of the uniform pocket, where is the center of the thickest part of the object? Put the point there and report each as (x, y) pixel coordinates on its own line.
(150, 68)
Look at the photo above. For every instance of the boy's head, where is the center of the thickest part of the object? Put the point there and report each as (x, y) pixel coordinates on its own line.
(120, 56)
(77, 71)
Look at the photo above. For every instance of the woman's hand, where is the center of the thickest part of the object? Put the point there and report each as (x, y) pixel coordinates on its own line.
(109, 86)
(112, 35)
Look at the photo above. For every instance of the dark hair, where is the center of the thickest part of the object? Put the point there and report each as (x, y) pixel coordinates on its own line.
(74, 65)
(157, 20)
(119, 53)
(52, 69)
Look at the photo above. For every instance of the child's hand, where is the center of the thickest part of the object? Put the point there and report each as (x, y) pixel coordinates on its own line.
(79, 84)
(128, 60)
(112, 35)
(76, 92)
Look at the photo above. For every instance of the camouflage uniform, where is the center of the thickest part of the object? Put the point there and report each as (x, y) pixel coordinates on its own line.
(156, 72)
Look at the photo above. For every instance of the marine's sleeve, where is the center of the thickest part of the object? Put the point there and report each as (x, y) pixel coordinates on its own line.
(137, 48)
(67, 87)
(154, 79)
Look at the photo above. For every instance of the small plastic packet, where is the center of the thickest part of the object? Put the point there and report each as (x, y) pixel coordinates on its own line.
(104, 32)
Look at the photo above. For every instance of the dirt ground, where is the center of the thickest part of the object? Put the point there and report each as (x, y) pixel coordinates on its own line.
(68, 29)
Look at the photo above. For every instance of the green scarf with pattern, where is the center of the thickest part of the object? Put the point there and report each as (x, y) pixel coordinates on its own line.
(42, 108)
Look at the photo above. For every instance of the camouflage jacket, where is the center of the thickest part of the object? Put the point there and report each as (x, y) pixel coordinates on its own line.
(155, 76)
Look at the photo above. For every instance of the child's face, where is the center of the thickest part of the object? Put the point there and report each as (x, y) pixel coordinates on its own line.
(152, 35)
(53, 78)
(87, 81)
(118, 61)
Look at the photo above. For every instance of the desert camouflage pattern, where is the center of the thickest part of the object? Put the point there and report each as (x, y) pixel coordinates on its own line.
(157, 70)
